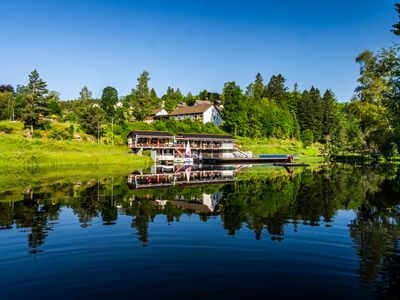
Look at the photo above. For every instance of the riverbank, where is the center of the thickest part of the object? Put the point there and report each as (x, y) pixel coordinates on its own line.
(63, 144)
(310, 154)
(16, 151)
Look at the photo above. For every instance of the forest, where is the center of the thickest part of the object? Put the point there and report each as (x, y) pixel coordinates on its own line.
(367, 124)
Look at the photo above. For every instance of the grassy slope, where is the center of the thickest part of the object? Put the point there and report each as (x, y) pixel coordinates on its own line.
(19, 151)
(276, 146)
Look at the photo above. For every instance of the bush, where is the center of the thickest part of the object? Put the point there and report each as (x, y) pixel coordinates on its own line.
(36, 135)
(58, 134)
(6, 129)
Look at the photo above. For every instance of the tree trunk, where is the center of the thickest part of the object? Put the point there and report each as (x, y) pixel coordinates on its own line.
(31, 129)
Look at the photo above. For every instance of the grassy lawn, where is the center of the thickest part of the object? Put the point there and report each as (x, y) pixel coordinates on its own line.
(276, 146)
(16, 150)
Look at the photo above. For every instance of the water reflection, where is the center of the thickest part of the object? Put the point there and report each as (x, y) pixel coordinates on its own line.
(268, 202)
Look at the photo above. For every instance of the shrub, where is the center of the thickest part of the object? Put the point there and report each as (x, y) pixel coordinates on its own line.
(6, 129)
(36, 135)
(58, 134)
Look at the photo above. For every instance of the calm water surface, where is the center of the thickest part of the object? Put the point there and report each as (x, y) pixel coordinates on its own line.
(257, 233)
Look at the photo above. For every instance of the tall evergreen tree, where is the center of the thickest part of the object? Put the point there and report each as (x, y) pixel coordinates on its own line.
(317, 112)
(140, 98)
(155, 101)
(396, 27)
(6, 88)
(329, 121)
(35, 101)
(276, 90)
(256, 90)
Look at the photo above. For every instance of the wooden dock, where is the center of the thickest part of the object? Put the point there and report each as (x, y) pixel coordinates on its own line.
(291, 164)
(247, 160)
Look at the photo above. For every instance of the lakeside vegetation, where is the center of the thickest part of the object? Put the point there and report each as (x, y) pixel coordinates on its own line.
(17, 151)
(265, 117)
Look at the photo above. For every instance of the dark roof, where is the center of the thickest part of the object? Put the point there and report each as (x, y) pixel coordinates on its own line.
(145, 133)
(189, 110)
(205, 136)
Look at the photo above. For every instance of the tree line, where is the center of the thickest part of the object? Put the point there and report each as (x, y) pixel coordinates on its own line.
(368, 123)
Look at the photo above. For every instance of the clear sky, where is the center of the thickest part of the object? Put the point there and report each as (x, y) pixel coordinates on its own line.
(190, 44)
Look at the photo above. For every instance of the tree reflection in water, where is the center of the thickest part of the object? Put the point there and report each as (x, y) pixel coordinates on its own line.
(265, 203)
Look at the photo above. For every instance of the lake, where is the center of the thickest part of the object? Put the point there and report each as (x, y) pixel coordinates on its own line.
(235, 232)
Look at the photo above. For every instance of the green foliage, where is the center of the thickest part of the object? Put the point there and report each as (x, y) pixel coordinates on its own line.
(372, 82)
(59, 134)
(140, 99)
(7, 103)
(37, 135)
(85, 94)
(396, 27)
(109, 99)
(35, 101)
(234, 113)
(172, 98)
(175, 127)
(16, 151)
(276, 90)
(91, 120)
(6, 129)
(307, 137)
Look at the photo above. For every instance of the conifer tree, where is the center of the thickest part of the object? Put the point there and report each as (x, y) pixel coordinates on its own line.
(329, 121)
(276, 90)
(141, 98)
(35, 101)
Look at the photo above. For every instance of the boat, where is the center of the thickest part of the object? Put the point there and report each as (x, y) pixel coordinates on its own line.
(187, 159)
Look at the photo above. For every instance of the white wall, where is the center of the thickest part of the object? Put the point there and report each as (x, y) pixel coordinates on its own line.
(212, 115)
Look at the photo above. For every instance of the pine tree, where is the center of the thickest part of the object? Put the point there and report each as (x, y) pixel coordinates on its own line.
(141, 98)
(396, 27)
(276, 90)
(329, 121)
(256, 90)
(316, 112)
(35, 101)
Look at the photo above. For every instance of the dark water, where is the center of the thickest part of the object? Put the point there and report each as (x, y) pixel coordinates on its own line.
(330, 232)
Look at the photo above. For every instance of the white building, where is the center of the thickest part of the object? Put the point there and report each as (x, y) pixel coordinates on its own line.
(207, 113)
(156, 114)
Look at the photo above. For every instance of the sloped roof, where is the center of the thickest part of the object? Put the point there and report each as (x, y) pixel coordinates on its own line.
(145, 133)
(190, 110)
(199, 136)
(201, 102)
(156, 111)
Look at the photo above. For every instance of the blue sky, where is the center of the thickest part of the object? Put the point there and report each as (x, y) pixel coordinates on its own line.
(191, 45)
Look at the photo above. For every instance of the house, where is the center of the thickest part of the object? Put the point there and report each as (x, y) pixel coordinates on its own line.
(156, 114)
(206, 113)
(166, 147)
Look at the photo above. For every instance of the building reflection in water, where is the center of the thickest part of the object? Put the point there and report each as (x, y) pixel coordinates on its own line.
(167, 176)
